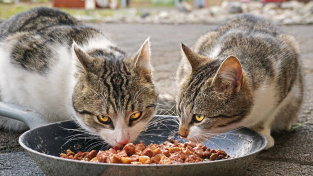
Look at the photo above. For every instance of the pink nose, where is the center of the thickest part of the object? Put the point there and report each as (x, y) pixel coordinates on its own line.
(122, 142)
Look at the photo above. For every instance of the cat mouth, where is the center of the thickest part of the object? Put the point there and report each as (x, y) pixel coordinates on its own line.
(117, 145)
(120, 145)
(117, 148)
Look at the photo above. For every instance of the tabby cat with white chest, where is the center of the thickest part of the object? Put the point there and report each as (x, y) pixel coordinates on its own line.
(247, 73)
(61, 68)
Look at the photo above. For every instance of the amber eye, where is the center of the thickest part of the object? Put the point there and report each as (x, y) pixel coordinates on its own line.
(135, 116)
(104, 119)
(198, 117)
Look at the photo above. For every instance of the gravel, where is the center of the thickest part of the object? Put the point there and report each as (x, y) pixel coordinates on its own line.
(290, 12)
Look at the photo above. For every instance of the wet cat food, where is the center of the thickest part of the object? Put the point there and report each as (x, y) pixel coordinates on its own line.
(166, 153)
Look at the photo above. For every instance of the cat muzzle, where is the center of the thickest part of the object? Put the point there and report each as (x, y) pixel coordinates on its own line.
(183, 132)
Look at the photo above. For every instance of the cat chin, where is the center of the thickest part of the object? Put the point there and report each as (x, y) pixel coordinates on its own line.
(197, 135)
(108, 136)
(131, 133)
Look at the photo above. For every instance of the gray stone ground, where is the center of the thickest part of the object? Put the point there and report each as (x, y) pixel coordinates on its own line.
(293, 150)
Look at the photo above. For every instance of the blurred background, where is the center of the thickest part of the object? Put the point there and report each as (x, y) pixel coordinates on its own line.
(169, 11)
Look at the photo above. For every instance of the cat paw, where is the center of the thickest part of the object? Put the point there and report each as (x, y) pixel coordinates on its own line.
(270, 142)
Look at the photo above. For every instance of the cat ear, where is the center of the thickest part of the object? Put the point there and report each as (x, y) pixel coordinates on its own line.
(229, 78)
(194, 59)
(86, 61)
(142, 59)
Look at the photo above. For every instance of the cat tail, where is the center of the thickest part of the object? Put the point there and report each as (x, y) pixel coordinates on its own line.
(166, 105)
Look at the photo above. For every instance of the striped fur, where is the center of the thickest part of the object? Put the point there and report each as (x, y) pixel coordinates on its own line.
(245, 73)
(41, 68)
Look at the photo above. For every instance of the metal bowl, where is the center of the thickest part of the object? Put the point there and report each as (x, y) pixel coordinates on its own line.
(44, 143)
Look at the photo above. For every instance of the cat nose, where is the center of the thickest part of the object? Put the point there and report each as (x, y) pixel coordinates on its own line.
(183, 132)
(123, 142)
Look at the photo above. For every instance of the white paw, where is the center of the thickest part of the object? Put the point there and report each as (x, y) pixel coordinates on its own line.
(270, 141)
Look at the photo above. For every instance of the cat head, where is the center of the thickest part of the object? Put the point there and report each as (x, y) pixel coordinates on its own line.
(213, 98)
(114, 96)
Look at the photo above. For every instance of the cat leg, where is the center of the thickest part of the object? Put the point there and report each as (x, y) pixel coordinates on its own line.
(287, 111)
(265, 129)
(283, 116)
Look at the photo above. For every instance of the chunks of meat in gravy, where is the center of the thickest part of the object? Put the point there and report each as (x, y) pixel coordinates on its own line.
(166, 153)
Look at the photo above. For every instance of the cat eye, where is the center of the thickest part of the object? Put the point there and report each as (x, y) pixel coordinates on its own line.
(198, 117)
(135, 116)
(104, 119)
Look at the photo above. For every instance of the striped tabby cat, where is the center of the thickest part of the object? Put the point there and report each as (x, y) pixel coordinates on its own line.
(245, 73)
(61, 68)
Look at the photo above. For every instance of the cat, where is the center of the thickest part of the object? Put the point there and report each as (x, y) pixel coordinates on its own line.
(247, 72)
(52, 63)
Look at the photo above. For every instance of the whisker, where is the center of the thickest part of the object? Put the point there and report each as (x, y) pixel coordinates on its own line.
(94, 145)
